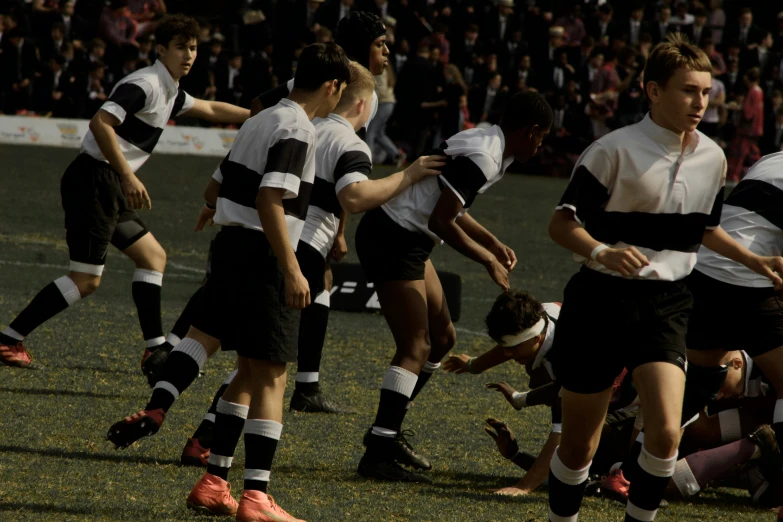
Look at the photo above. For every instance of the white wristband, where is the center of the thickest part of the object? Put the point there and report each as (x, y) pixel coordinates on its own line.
(519, 400)
(600, 248)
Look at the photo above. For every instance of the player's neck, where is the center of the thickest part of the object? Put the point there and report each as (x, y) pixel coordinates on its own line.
(353, 120)
(173, 76)
(661, 122)
(309, 102)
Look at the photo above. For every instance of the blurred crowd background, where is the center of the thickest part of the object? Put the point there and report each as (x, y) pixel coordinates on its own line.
(453, 63)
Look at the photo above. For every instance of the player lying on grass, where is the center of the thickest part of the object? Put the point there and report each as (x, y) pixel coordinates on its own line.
(394, 243)
(101, 193)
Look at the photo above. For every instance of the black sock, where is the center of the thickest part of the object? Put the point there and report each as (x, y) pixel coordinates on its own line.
(566, 488)
(181, 369)
(229, 422)
(424, 376)
(312, 334)
(396, 390)
(53, 299)
(146, 295)
(261, 438)
(185, 319)
(631, 463)
(647, 488)
(204, 433)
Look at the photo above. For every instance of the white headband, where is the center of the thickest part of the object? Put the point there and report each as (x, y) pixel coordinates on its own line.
(508, 341)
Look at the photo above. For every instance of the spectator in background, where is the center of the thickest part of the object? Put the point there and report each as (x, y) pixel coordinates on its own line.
(663, 24)
(698, 30)
(716, 20)
(602, 25)
(451, 113)
(144, 13)
(744, 31)
(773, 138)
(682, 19)
(635, 25)
(487, 103)
(92, 99)
(715, 114)
(500, 23)
(116, 26)
(382, 147)
(145, 54)
(334, 11)
(731, 80)
(760, 55)
(631, 106)
(75, 26)
(467, 46)
(744, 150)
(769, 142)
(49, 89)
(716, 58)
(573, 25)
(19, 65)
(52, 46)
(228, 79)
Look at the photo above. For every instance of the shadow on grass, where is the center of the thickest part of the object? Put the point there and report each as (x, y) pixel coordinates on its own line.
(83, 455)
(69, 393)
(95, 369)
(45, 508)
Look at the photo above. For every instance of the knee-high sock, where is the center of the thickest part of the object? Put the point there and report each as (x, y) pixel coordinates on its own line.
(204, 432)
(566, 489)
(648, 487)
(694, 472)
(146, 294)
(396, 390)
(53, 299)
(312, 334)
(229, 422)
(261, 437)
(185, 319)
(730, 425)
(181, 369)
(631, 463)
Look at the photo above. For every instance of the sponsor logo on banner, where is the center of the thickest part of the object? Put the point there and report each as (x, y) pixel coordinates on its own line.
(69, 133)
(20, 135)
(227, 138)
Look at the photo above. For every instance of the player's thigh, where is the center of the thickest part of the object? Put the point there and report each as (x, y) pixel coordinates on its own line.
(583, 421)
(661, 386)
(771, 364)
(146, 252)
(404, 305)
(441, 328)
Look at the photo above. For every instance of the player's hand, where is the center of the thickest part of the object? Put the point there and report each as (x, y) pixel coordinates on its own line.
(769, 266)
(511, 491)
(425, 166)
(503, 437)
(339, 248)
(134, 191)
(504, 254)
(297, 290)
(627, 261)
(205, 217)
(505, 389)
(457, 363)
(498, 273)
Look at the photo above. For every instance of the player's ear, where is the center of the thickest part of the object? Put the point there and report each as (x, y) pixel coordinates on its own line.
(737, 363)
(360, 105)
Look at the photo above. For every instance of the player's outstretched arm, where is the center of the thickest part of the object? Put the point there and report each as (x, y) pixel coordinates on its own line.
(218, 112)
(484, 237)
(464, 363)
(443, 223)
(719, 241)
(369, 194)
(537, 473)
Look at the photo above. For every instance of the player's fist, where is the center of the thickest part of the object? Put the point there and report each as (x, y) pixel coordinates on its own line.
(297, 290)
(135, 193)
(769, 266)
(627, 261)
(425, 166)
(205, 217)
(339, 248)
(503, 437)
(504, 254)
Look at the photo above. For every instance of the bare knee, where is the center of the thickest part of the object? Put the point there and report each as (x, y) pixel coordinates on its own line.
(662, 441)
(444, 341)
(86, 283)
(148, 255)
(576, 454)
(328, 279)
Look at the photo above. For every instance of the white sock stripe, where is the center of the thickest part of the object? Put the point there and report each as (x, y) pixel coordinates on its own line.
(656, 466)
(730, 428)
(307, 376)
(230, 377)
(84, 268)
(684, 479)
(264, 427)
(557, 427)
(230, 408)
(219, 460)
(645, 515)
(778, 415)
(210, 417)
(157, 341)
(323, 299)
(165, 385)
(194, 349)
(430, 367)
(399, 380)
(569, 476)
(10, 332)
(68, 289)
(257, 474)
(383, 432)
(557, 518)
(690, 421)
(152, 277)
(173, 340)
(640, 437)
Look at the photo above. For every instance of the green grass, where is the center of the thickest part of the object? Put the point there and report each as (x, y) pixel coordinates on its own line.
(56, 465)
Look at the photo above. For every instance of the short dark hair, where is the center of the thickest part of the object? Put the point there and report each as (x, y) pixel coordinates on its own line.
(176, 27)
(512, 312)
(472, 28)
(753, 74)
(526, 109)
(319, 63)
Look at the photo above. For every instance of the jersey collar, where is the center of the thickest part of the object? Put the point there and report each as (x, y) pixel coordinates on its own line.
(167, 81)
(339, 119)
(668, 139)
(290, 103)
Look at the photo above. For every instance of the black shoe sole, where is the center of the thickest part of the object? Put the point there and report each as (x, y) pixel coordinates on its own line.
(303, 405)
(369, 470)
(124, 435)
(153, 366)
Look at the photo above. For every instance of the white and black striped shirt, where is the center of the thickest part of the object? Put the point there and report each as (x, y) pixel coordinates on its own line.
(341, 158)
(275, 149)
(636, 187)
(753, 216)
(144, 102)
(474, 163)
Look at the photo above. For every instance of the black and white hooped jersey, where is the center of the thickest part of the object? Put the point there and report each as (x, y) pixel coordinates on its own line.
(756, 383)
(636, 187)
(341, 158)
(144, 101)
(275, 149)
(474, 163)
(753, 216)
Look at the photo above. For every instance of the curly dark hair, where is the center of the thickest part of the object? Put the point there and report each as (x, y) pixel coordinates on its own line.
(512, 312)
(176, 27)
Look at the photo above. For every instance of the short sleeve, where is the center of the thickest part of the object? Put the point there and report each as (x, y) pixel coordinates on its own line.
(272, 97)
(183, 104)
(591, 183)
(286, 158)
(352, 166)
(465, 175)
(128, 98)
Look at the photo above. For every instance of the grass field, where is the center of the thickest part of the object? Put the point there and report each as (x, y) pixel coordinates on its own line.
(55, 464)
